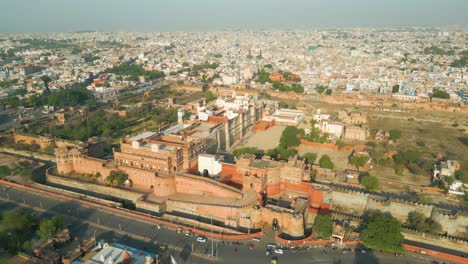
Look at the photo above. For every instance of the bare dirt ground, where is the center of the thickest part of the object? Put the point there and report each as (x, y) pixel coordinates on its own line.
(265, 140)
(338, 157)
(433, 133)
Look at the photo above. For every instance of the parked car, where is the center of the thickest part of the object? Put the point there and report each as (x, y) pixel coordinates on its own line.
(271, 246)
(256, 239)
(201, 239)
(279, 251)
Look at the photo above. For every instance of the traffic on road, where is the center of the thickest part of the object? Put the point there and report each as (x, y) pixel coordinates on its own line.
(186, 247)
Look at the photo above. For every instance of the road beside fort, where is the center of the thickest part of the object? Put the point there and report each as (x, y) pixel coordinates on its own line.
(86, 221)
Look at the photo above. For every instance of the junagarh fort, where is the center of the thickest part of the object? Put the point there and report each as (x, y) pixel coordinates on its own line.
(181, 174)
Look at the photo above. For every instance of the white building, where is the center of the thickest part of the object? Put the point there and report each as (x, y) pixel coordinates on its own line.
(103, 94)
(210, 164)
(457, 188)
(334, 129)
(228, 80)
(287, 117)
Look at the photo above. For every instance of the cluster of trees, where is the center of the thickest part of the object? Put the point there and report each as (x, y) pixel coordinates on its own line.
(295, 87)
(65, 97)
(441, 94)
(247, 150)
(324, 89)
(22, 168)
(323, 226)
(419, 222)
(17, 228)
(409, 159)
(98, 123)
(21, 145)
(369, 182)
(49, 227)
(381, 232)
(108, 125)
(133, 71)
(359, 161)
(283, 104)
(90, 58)
(315, 136)
(263, 76)
(434, 50)
(117, 178)
(281, 153)
(205, 65)
(461, 63)
(289, 138)
(288, 76)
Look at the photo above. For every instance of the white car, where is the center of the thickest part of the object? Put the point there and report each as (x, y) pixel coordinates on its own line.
(279, 251)
(201, 239)
(271, 246)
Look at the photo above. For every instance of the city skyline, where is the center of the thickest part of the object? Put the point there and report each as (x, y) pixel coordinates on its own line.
(208, 15)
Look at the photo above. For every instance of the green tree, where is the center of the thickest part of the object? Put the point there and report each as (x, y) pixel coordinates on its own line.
(4, 171)
(441, 94)
(241, 151)
(48, 227)
(328, 92)
(339, 143)
(117, 178)
(395, 134)
(369, 182)
(209, 96)
(323, 226)
(289, 137)
(354, 160)
(461, 176)
(325, 162)
(416, 220)
(14, 229)
(26, 174)
(395, 88)
(310, 157)
(281, 153)
(419, 222)
(362, 161)
(263, 76)
(382, 232)
(46, 79)
(320, 88)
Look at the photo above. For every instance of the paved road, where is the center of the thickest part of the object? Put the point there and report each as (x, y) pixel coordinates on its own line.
(89, 221)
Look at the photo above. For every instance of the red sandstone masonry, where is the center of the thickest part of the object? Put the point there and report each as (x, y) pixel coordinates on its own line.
(431, 253)
(436, 254)
(135, 214)
(332, 146)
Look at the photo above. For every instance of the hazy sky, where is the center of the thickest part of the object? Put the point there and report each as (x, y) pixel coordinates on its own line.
(203, 15)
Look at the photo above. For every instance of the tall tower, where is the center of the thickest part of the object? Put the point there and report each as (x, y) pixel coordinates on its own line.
(180, 116)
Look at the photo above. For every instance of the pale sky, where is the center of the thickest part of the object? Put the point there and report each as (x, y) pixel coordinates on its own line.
(207, 15)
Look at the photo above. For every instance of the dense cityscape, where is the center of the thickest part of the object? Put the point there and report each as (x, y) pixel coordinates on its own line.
(321, 145)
